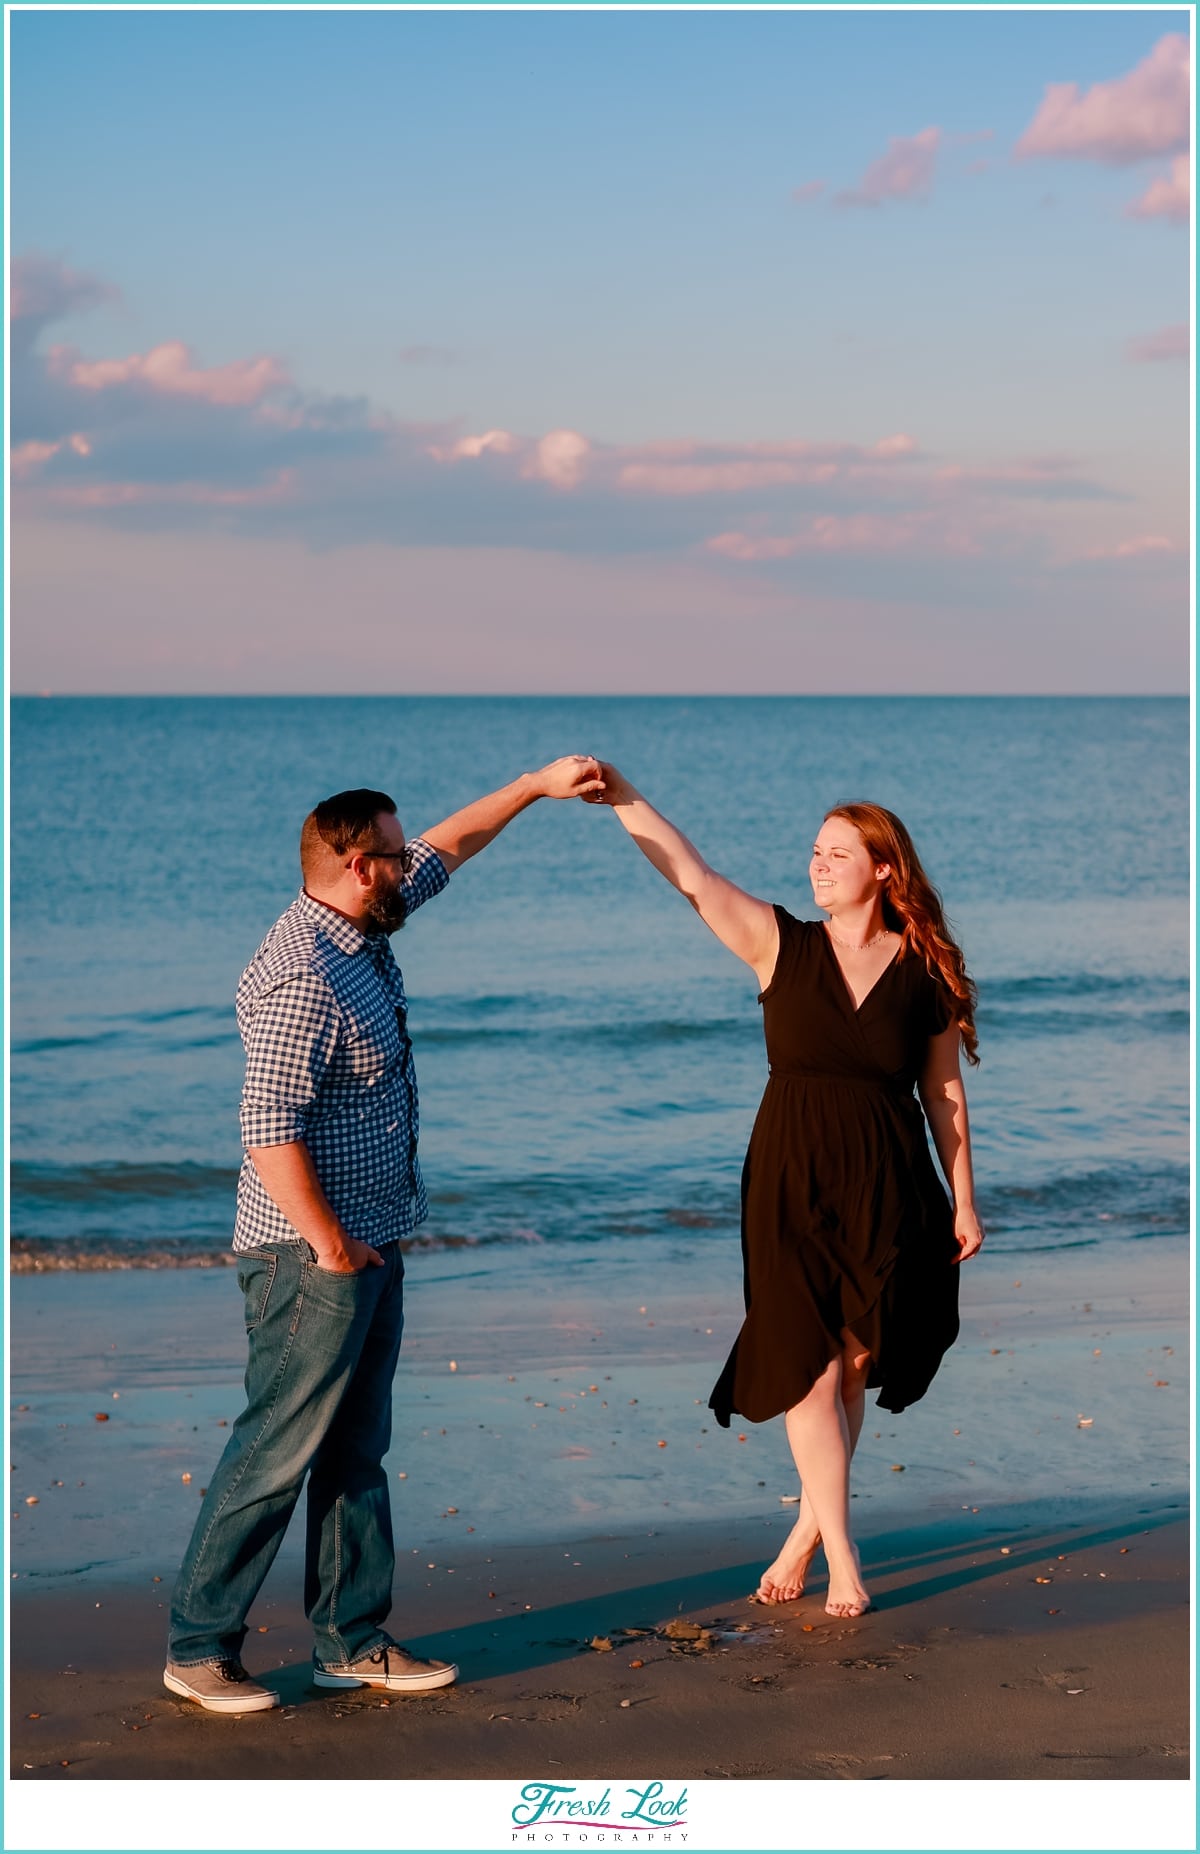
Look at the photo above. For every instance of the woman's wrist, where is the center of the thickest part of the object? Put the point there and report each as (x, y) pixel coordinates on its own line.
(619, 790)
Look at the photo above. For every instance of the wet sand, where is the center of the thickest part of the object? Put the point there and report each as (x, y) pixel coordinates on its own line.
(1023, 1531)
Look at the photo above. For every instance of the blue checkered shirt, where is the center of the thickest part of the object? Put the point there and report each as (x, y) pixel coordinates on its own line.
(322, 1013)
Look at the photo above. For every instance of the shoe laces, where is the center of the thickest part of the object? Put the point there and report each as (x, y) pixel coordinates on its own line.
(231, 1671)
(384, 1649)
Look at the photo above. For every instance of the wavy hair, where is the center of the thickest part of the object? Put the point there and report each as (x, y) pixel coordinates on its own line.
(912, 908)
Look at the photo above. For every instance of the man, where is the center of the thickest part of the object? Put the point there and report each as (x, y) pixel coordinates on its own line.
(329, 1184)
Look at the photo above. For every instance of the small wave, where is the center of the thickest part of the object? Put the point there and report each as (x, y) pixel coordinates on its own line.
(53, 1255)
(626, 1032)
(566, 1218)
(1105, 1203)
(154, 1215)
(30, 1255)
(1045, 1004)
(82, 1184)
(50, 1045)
(496, 1004)
(1057, 985)
(1050, 1021)
(124, 1029)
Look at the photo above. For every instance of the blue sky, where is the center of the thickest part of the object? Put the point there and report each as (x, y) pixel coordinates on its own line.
(632, 228)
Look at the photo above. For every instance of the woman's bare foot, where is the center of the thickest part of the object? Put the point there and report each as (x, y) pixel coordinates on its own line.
(783, 1581)
(847, 1594)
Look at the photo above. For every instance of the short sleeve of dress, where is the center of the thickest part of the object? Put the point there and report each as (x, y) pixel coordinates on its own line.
(790, 931)
(941, 1010)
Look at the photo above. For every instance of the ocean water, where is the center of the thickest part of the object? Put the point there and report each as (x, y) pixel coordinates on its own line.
(590, 1059)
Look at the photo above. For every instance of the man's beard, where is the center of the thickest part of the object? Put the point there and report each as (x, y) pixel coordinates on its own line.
(387, 910)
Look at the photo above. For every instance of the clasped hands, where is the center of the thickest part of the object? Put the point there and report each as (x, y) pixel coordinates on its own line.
(582, 775)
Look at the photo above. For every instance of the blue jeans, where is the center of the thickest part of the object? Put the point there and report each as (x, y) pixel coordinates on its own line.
(323, 1352)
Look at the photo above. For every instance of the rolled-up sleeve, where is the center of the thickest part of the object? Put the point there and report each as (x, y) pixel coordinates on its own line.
(290, 1034)
(425, 874)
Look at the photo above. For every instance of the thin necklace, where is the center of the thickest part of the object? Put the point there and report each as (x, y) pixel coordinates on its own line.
(857, 947)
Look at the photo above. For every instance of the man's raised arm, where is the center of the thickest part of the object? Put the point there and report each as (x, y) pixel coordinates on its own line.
(470, 830)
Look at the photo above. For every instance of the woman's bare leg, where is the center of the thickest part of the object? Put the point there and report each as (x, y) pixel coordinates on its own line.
(818, 1430)
(783, 1581)
(856, 1362)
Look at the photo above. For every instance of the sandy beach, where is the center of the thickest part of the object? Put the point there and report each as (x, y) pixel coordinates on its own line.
(575, 1532)
(970, 1667)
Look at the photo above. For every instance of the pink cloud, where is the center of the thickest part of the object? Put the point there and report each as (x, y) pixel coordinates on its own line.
(735, 546)
(559, 459)
(1169, 196)
(689, 469)
(42, 289)
(730, 478)
(811, 190)
(27, 459)
(678, 468)
(1146, 112)
(1135, 548)
(922, 531)
(1173, 343)
(168, 369)
(905, 172)
(113, 445)
(477, 445)
(898, 445)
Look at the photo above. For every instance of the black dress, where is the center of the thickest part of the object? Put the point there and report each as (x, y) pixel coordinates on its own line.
(844, 1220)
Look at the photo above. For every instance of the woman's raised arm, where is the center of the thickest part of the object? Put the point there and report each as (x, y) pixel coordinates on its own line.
(743, 923)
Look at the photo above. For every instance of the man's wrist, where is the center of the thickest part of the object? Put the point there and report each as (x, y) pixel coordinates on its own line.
(330, 1245)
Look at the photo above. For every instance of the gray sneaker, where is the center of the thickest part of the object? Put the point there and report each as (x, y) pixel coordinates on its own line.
(218, 1686)
(387, 1665)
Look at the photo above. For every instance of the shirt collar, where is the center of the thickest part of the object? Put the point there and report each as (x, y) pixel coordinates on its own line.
(343, 933)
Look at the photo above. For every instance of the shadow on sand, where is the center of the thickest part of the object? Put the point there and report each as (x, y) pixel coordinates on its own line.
(903, 1568)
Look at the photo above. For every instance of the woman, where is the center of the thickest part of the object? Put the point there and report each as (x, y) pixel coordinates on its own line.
(848, 1242)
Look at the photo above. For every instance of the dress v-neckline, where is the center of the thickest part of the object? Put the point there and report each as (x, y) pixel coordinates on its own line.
(856, 1009)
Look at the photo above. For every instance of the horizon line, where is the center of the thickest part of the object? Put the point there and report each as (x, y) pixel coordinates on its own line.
(601, 695)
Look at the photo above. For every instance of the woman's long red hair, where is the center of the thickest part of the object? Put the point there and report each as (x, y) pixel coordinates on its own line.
(912, 908)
